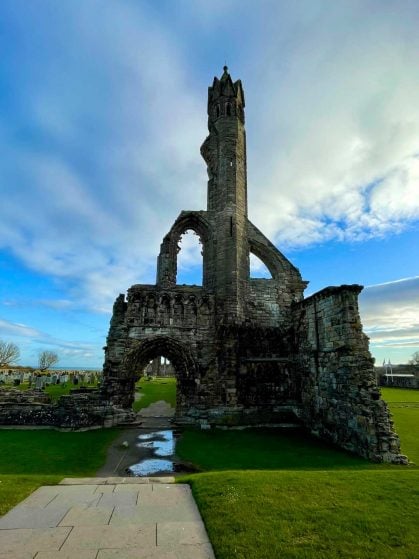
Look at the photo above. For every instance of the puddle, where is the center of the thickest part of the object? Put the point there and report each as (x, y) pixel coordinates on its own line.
(160, 449)
(150, 467)
(162, 443)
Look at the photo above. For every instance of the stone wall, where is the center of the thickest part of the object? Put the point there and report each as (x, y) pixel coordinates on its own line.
(177, 323)
(341, 401)
(263, 306)
(74, 411)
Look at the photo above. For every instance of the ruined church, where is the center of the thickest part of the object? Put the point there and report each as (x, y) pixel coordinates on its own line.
(248, 351)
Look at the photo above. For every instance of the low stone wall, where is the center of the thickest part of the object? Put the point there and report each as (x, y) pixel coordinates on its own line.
(75, 411)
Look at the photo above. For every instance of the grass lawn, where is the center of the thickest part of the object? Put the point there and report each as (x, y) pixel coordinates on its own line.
(318, 503)
(30, 458)
(262, 449)
(159, 388)
(310, 515)
(404, 395)
(404, 405)
(14, 488)
(266, 494)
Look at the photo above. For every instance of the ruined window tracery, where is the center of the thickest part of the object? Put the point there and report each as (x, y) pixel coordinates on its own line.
(189, 259)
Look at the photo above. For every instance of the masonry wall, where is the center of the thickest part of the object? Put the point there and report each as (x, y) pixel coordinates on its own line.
(341, 401)
(73, 411)
(264, 306)
(177, 323)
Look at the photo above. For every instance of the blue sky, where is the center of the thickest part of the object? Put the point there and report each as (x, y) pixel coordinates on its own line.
(103, 111)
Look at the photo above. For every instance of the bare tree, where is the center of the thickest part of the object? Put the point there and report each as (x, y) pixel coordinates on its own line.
(9, 353)
(415, 359)
(47, 359)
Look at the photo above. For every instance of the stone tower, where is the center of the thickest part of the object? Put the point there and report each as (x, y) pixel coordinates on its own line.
(247, 351)
(224, 151)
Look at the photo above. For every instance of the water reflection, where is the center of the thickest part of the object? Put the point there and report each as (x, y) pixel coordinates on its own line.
(159, 443)
(148, 467)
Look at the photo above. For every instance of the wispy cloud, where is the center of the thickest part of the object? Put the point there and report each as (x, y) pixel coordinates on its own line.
(390, 315)
(100, 128)
(13, 329)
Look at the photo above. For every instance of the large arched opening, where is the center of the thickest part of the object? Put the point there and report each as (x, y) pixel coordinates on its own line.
(181, 360)
(198, 232)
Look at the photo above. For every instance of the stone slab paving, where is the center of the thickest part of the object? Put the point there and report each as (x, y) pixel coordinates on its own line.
(106, 518)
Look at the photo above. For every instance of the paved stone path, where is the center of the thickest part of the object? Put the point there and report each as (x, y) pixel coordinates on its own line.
(106, 518)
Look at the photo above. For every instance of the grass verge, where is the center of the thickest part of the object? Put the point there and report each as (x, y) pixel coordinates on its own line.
(311, 514)
(31, 458)
(160, 388)
(48, 452)
(262, 449)
(15, 488)
(351, 509)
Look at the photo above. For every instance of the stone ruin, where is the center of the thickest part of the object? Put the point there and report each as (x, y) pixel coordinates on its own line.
(245, 351)
(82, 409)
(248, 351)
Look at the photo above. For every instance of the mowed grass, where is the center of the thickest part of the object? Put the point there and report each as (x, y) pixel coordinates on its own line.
(15, 488)
(262, 449)
(404, 405)
(311, 514)
(30, 458)
(391, 395)
(50, 452)
(271, 494)
(153, 390)
(316, 502)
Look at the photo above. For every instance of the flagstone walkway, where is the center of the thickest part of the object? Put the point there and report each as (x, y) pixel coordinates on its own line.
(106, 518)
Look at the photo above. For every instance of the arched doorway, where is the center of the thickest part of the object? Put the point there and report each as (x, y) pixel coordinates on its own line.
(180, 357)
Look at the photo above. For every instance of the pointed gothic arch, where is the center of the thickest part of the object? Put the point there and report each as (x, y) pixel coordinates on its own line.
(167, 260)
(178, 353)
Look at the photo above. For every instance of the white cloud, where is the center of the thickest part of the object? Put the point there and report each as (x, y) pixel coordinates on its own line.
(15, 329)
(31, 340)
(332, 152)
(116, 114)
(390, 315)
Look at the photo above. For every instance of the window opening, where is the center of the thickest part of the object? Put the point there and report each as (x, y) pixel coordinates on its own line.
(190, 262)
(258, 269)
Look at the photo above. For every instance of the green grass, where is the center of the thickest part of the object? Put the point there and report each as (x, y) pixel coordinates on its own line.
(404, 406)
(310, 515)
(406, 422)
(391, 395)
(160, 388)
(261, 449)
(14, 488)
(57, 390)
(279, 494)
(31, 458)
(48, 452)
(319, 502)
